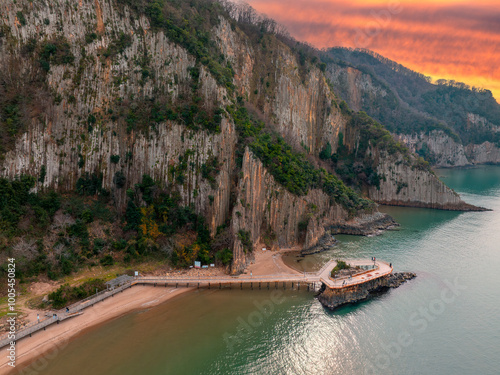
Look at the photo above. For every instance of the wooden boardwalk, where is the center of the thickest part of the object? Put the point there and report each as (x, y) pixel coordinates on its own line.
(296, 278)
(61, 315)
(307, 280)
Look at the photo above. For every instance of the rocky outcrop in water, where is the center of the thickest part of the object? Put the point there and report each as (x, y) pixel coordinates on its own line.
(334, 298)
(365, 225)
(404, 184)
(325, 243)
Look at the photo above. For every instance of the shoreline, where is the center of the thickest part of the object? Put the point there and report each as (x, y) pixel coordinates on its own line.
(43, 346)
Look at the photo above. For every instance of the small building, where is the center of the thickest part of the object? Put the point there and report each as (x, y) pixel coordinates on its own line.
(119, 281)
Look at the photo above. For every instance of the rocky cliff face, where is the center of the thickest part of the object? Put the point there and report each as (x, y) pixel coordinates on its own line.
(357, 89)
(95, 87)
(486, 152)
(79, 133)
(445, 152)
(276, 218)
(363, 93)
(105, 77)
(299, 105)
(438, 147)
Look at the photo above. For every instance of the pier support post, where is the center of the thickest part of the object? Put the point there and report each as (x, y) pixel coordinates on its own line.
(251, 286)
(208, 285)
(176, 285)
(220, 285)
(267, 285)
(259, 285)
(284, 286)
(241, 286)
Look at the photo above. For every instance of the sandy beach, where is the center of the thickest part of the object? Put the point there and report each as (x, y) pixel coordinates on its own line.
(45, 345)
(33, 353)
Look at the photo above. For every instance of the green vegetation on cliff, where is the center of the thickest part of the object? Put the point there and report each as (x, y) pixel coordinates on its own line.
(56, 234)
(356, 165)
(189, 24)
(291, 169)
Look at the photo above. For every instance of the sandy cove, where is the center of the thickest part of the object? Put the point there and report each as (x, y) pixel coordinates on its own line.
(270, 263)
(44, 345)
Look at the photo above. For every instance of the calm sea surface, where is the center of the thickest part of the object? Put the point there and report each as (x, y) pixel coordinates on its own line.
(446, 321)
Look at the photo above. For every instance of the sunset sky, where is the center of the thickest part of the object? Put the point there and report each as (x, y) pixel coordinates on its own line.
(449, 39)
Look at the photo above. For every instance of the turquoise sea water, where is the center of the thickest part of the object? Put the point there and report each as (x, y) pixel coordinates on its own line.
(446, 321)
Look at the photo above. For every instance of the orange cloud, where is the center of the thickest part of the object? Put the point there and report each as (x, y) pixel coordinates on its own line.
(449, 39)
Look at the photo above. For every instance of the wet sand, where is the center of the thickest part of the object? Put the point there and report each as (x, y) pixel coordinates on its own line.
(44, 345)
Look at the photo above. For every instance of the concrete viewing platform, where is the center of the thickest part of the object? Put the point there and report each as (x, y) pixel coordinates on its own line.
(379, 269)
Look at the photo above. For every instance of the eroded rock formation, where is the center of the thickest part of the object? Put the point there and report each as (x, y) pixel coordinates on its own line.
(334, 298)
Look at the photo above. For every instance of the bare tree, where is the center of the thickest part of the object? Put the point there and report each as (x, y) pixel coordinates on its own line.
(62, 221)
(25, 249)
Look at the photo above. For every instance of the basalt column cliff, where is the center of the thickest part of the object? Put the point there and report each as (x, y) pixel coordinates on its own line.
(133, 100)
